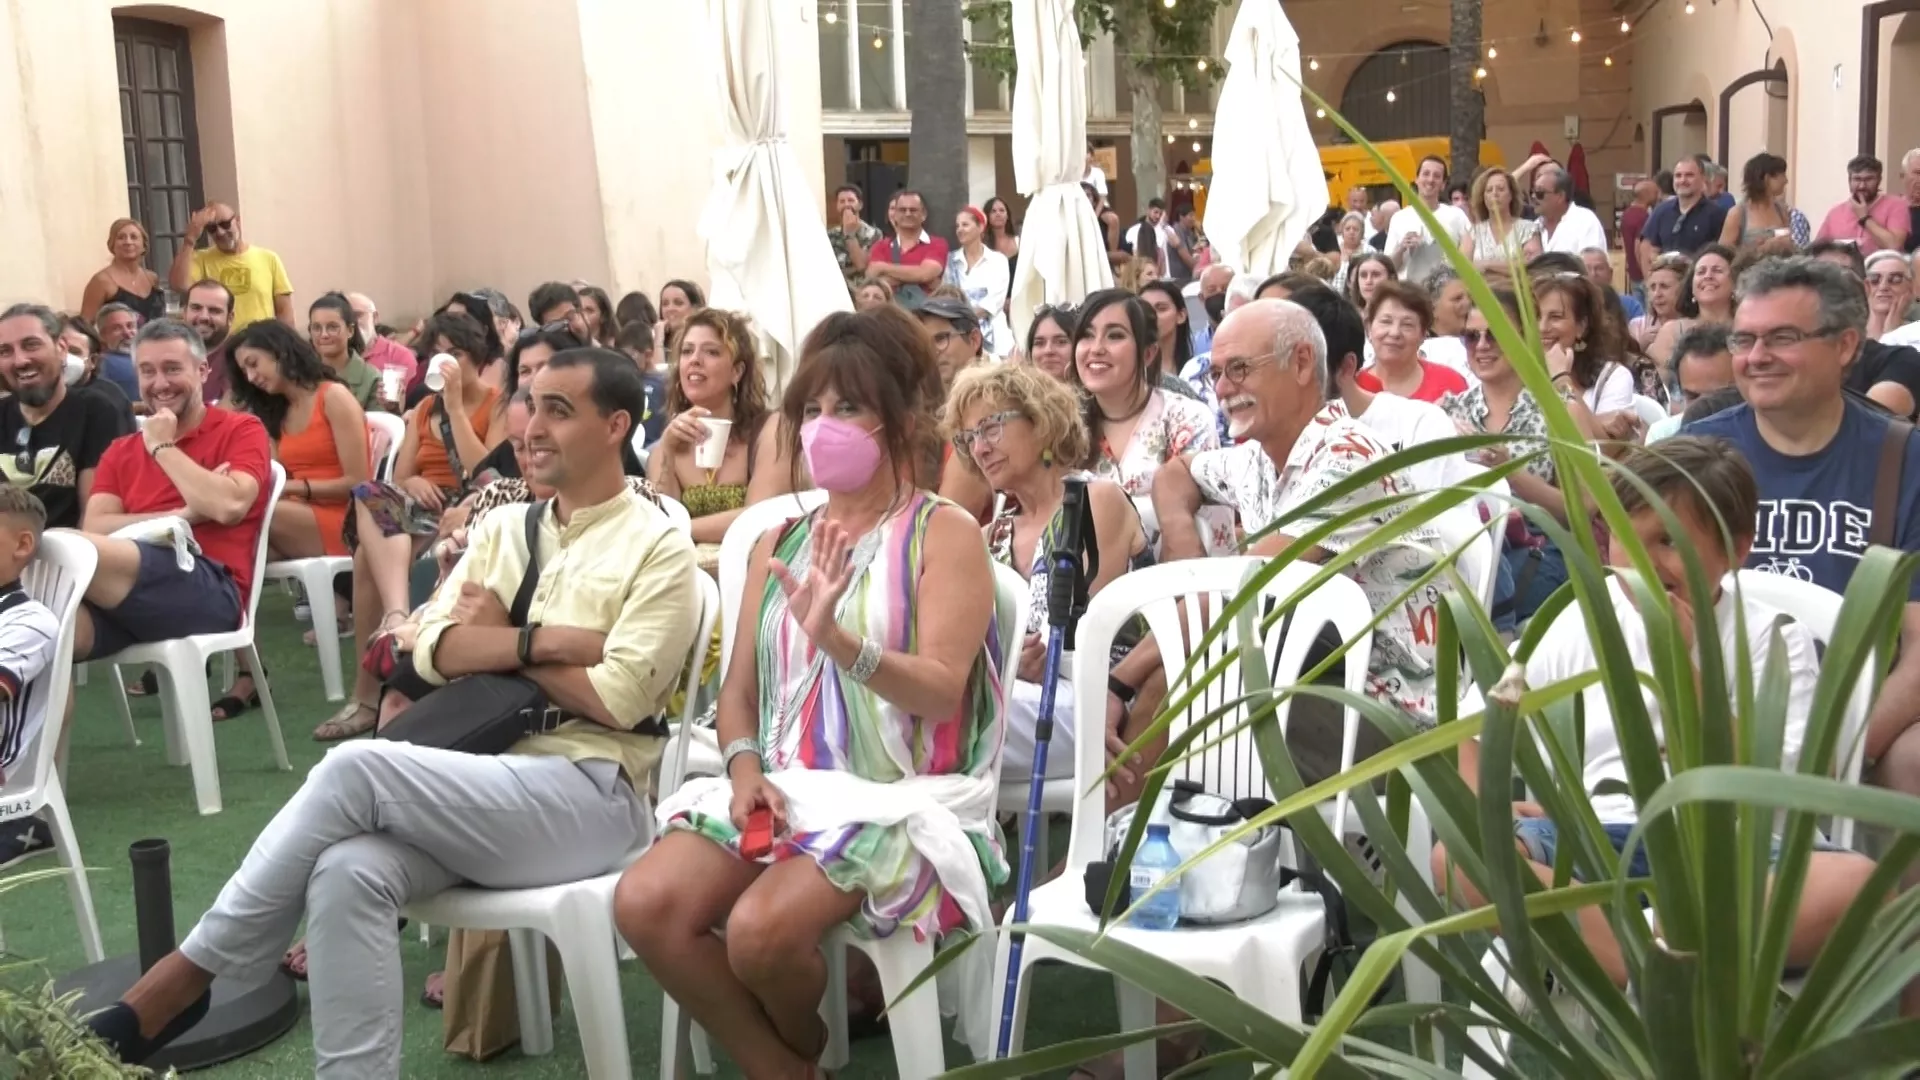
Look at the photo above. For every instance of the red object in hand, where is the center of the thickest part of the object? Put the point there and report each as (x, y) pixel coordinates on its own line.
(757, 841)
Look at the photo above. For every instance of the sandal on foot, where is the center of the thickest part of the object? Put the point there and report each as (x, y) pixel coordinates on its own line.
(354, 718)
(147, 685)
(345, 627)
(233, 705)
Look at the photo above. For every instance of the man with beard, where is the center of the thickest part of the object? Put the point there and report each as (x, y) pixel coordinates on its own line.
(203, 464)
(53, 435)
(252, 274)
(209, 310)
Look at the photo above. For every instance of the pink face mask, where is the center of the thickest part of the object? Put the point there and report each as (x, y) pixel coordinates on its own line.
(841, 456)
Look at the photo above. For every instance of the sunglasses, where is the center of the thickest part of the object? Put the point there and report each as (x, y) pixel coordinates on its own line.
(23, 457)
(1472, 339)
(221, 226)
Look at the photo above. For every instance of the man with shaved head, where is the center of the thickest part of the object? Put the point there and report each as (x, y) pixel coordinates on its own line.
(252, 274)
(383, 354)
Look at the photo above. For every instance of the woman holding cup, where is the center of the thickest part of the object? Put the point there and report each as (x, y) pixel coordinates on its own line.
(718, 453)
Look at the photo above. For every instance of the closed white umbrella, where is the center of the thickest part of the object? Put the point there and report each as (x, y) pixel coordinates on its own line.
(1268, 188)
(767, 251)
(1063, 256)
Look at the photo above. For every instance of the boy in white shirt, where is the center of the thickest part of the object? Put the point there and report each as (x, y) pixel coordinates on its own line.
(1726, 485)
(29, 634)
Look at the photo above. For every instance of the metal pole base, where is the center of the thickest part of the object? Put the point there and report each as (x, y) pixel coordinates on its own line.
(240, 1020)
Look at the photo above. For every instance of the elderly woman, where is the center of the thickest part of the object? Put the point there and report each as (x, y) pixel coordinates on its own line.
(1662, 305)
(1889, 292)
(1020, 431)
(871, 293)
(1706, 295)
(1397, 324)
(1352, 236)
(861, 687)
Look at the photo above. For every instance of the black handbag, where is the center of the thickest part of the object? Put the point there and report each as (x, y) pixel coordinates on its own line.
(485, 714)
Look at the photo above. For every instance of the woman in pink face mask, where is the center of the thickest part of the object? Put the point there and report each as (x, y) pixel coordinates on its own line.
(863, 681)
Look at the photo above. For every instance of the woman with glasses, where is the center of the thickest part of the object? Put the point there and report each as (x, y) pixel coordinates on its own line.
(335, 335)
(1499, 233)
(1050, 341)
(1397, 324)
(1889, 292)
(319, 433)
(1020, 432)
(1501, 405)
(1662, 287)
(1706, 296)
(1134, 425)
(716, 379)
(1365, 274)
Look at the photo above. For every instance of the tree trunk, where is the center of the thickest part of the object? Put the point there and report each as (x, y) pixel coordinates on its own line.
(936, 95)
(1149, 153)
(1469, 105)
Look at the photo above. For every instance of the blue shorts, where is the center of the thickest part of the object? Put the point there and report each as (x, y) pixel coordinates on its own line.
(166, 602)
(1541, 839)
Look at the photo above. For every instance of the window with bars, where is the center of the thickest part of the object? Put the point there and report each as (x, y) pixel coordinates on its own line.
(157, 129)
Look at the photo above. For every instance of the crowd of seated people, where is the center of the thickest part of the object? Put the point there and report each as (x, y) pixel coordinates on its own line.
(859, 679)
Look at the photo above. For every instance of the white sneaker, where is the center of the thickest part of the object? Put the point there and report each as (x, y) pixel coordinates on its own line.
(1571, 1011)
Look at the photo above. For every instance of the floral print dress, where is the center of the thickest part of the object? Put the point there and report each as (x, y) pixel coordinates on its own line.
(1170, 426)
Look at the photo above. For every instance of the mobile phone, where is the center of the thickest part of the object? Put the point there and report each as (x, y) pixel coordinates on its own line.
(757, 840)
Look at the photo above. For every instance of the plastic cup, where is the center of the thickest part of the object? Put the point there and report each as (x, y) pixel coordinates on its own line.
(436, 379)
(393, 383)
(712, 450)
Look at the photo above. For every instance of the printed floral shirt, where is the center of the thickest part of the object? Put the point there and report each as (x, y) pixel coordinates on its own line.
(1332, 448)
(1171, 426)
(869, 235)
(1470, 409)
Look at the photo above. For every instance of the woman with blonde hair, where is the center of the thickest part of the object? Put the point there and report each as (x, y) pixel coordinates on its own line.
(871, 293)
(1499, 232)
(1351, 233)
(126, 280)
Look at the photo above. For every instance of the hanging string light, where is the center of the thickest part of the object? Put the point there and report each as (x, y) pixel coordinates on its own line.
(1313, 64)
(1493, 53)
(1689, 8)
(1169, 140)
(1609, 61)
(1390, 97)
(1192, 123)
(832, 16)
(878, 43)
(1202, 65)
(1575, 37)
(1320, 114)
(1196, 147)
(1479, 73)
(1626, 27)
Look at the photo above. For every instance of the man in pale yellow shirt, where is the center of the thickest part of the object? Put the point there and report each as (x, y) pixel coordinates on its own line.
(380, 824)
(253, 274)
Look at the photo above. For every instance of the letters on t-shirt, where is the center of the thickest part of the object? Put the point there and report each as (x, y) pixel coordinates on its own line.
(1787, 528)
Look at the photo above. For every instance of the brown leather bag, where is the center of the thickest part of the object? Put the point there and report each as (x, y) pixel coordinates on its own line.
(1887, 483)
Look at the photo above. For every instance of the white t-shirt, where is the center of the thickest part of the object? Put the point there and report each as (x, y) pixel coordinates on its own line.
(28, 635)
(1613, 392)
(1163, 233)
(1903, 335)
(1407, 220)
(1403, 422)
(1579, 230)
(1098, 178)
(1449, 352)
(1566, 651)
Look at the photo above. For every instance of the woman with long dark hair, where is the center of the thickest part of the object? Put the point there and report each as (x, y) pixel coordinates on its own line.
(1364, 274)
(603, 323)
(1172, 333)
(1050, 340)
(1763, 219)
(678, 299)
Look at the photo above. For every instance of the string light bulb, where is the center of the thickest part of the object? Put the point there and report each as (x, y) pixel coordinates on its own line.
(1689, 8)
(1626, 27)
(1192, 123)
(832, 17)
(1609, 61)
(1320, 114)
(1169, 3)
(877, 43)
(1313, 63)
(1493, 53)
(1196, 146)
(1479, 73)
(1169, 140)
(1202, 65)
(1574, 37)
(1390, 97)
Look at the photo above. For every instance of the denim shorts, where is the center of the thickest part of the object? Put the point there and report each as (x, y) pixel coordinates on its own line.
(167, 602)
(1541, 839)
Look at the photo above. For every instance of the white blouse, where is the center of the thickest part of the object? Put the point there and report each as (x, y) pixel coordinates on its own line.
(986, 283)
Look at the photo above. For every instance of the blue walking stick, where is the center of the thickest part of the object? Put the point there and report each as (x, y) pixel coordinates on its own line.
(1075, 561)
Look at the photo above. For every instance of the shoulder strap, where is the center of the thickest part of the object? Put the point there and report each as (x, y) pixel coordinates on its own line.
(523, 599)
(1886, 482)
(439, 408)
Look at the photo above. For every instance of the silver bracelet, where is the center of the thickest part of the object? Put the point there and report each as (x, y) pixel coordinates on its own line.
(866, 663)
(735, 749)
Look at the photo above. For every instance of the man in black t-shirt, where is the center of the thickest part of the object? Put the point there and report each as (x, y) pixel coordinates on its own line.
(51, 435)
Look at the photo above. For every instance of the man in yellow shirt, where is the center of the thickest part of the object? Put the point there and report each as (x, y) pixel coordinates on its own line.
(380, 823)
(253, 274)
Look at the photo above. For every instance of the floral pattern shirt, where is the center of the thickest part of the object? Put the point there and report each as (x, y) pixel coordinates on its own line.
(1333, 447)
(1470, 409)
(868, 236)
(1170, 426)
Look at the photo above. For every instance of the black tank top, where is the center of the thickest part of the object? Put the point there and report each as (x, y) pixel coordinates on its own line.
(151, 306)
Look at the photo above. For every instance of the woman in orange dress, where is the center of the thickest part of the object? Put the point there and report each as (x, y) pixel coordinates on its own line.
(320, 438)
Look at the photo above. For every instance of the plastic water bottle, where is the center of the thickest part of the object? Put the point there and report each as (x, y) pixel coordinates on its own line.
(1152, 862)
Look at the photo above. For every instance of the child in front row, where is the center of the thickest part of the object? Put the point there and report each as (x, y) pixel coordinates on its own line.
(29, 634)
(1725, 484)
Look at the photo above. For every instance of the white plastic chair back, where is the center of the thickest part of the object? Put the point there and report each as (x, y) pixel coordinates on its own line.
(673, 769)
(676, 512)
(58, 577)
(394, 430)
(1461, 527)
(279, 484)
(737, 546)
(1232, 767)
(1648, 410)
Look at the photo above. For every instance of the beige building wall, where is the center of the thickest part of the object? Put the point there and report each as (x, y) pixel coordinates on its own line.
(404, 149)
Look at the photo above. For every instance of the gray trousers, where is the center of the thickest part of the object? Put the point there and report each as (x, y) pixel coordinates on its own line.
(379, 824)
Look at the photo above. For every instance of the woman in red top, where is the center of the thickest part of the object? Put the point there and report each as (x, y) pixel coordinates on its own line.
(1398, 319)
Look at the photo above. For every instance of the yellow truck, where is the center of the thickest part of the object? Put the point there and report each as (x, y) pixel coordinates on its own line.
(1346, 166)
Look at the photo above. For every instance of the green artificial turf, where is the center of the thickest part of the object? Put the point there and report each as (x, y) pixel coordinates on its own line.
(119, 793)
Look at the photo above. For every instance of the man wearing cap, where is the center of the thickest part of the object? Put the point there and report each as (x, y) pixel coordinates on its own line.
(956, 335)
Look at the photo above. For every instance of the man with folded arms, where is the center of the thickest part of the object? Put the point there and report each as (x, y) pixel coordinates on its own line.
(379, 824)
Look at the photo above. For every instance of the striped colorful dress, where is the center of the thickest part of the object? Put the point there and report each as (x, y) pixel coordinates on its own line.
(839, 724)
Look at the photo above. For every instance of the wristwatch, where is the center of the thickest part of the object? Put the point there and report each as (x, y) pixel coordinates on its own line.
(524, 650)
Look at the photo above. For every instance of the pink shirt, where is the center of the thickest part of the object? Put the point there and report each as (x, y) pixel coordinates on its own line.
(386, 354)
(1841, 224)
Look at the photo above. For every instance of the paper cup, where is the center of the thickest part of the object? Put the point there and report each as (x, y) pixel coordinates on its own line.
(437, 371)
(713, 449)
(393, 384)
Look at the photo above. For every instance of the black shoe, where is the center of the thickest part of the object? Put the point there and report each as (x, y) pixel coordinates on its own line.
(118, 1027)
(22, 839)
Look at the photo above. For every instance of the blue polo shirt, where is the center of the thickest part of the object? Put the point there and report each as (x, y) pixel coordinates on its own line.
(1670, 230)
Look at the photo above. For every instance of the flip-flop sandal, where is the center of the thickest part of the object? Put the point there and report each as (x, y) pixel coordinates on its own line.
(147, 685)
(344, 625)
(354, 718)
(233, 705)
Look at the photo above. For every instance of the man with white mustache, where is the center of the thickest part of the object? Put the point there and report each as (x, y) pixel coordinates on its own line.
(1270, 369)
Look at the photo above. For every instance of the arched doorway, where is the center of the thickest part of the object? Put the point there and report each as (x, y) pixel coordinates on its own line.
(1678, 131)
(1415, 74)
(1752, 120)
(1900, 80)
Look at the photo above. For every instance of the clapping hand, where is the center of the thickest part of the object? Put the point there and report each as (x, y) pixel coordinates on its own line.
(812, 602)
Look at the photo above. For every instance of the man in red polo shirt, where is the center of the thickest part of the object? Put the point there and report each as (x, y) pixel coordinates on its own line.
(194, 461)
(911, 260)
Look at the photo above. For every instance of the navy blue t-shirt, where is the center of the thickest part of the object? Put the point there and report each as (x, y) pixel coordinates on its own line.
(1668, 229)
(1816, 512)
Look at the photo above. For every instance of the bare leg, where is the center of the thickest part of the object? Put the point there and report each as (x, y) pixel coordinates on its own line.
(295, 532)
(1592, 921)
(165, 991)
(116, 573)
(1899, 770)
(387, 559)
(667, 907)
(773, 945)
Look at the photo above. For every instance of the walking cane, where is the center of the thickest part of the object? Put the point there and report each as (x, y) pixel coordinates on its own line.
(1066, 602)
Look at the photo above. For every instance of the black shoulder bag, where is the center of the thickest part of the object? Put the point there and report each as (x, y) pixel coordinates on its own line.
(445, 425)
(485, 714)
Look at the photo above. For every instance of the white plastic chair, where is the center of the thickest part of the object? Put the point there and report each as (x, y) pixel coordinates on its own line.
(1461, 527)
(918, 1042)
(1817, 609)
(577, 917)
(1260, 960)
(316, 575)
(57, 577)
(676, 512)
(182, 667)
(1648, 410)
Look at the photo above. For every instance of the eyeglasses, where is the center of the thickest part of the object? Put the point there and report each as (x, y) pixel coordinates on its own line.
(325, 331)
(1888, 279)
(1236, 371)
(560, 326)
(1473, 338)
(1780, 340)
(942, 338)
(1536, 194)
(221, 226)
(990, 429)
